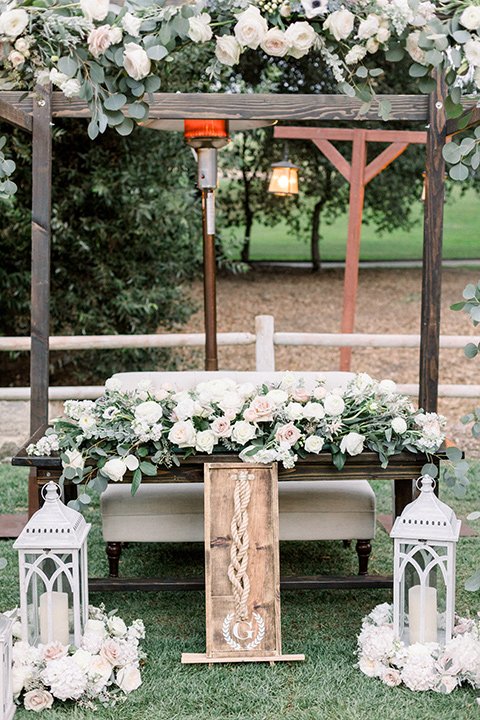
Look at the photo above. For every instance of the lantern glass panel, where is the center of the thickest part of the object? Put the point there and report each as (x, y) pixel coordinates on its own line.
(50, 598)
(424, 601)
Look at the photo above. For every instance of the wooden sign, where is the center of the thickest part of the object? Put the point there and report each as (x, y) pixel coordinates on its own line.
(242, 578)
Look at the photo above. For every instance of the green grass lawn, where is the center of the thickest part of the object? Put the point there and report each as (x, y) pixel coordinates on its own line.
(461, 237)
(322, 625)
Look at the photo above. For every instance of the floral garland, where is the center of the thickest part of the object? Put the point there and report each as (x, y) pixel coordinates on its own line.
(108, 55)
(105, 668)
(142, 429)
(419, 667)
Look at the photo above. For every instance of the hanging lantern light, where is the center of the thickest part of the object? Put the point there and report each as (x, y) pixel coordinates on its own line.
(425, 537)
(7, 706)
(52, 551)
(284, 178)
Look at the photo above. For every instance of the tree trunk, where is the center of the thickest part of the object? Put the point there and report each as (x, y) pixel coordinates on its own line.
(315, 238)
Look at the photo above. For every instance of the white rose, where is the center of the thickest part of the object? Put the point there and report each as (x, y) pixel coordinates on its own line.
(129, 678)
(13, 22)
(387, 387)
(116, 626)
(182, 434)
(221, 427)
(19, 674)
(38, 700)
(246, 389)
(476, 76)
(100, 671)
(319, 393)
(22, 45)
(250, 28)
(94, 9)
(294, 411)
(136, 61)
(415, 52)
(277, 396)
(314, 444)
(95, 627)
(184, 409)
(75, 459)
(242, 432)
(205, 441)
(227, 50)
(368, 27)
(288, 380)
(352, 443)
(99, 40)
(383, 35)
(313, 411)
(472, 52)
(57, 78)
(340, 23)
(301, 37)
(232, 400)
(83, 659)
(355, 54)
(113, 385)
(371, 46)
(131, 24)
(16, 58)
(275, 43)
(199, 28)
(399, 425)
(149, 411)
(470, 17)
(70, 88)
(333, 404)
(116, 35)
(285, 10)
(114, 469)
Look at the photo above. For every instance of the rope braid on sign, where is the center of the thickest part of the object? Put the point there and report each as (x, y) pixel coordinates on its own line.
(237, 570)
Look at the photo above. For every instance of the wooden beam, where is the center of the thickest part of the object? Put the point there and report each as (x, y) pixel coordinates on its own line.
(254, 106)
(294, 132)
(452, 123)
(335, 157)
(385, 158)
(432, 251)
(14, 116)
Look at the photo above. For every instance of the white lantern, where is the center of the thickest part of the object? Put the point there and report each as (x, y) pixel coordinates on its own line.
(425, 537)
(7, 706)
(52, 551)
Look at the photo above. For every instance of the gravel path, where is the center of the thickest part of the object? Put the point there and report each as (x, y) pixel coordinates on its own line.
(388, 301)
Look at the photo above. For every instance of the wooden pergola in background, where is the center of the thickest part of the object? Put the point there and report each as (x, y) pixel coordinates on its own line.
(36, 113)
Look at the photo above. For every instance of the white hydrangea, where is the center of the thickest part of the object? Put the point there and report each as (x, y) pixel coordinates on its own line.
(67, 681)
(377, 641)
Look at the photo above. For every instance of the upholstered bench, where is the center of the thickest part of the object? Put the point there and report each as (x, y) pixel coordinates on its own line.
(173, 512)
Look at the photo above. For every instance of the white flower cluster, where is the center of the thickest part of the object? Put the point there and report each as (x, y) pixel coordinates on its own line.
(45, 446)
(106, 661)
(419, 667)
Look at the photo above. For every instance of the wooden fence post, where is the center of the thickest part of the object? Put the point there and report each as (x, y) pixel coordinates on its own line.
(264, 343)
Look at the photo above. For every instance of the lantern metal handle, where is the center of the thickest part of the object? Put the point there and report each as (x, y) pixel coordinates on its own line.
(50, 485)
(418, 480)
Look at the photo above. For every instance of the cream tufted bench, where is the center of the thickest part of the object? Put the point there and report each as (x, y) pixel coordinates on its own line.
(173, 512)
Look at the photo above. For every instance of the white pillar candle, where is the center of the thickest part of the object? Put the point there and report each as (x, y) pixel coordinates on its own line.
(59, 618)
(429, 614)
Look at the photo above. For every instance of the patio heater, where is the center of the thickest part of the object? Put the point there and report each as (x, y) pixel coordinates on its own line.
(205, 137)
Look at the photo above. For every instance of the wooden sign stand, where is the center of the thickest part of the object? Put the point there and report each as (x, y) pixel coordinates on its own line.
(242, 576)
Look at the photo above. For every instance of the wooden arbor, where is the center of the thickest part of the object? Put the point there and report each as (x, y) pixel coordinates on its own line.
(45, 106)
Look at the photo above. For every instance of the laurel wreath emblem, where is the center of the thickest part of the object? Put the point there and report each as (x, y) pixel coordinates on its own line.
(233, 643)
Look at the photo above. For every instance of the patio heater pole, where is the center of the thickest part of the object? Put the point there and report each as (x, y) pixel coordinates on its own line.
(207, 181)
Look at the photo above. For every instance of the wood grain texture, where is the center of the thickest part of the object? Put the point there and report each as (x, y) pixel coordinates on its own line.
(14, 116)
(253, 106)
(452, 123)
(432, 251)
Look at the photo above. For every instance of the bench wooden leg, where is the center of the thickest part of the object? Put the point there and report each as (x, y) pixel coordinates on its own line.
(114, 550)
(363, 548)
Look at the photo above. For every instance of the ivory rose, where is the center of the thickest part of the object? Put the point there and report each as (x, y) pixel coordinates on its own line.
(129, 678)
(333, 404)
(352, 443)
(314, 444)
(227, 50)
(182, 434)
(383, 35)
(99, 40)
(232, 400)
(294, 411)
(94, 9)
(413, 49)
(116, 35)
(16, 58)
(199, 28)
(288, 434)
(149, 411)
(205, 441)
(250, 28)
(22, 45)
(114, 469)
(275, 43)
(75, 459)
(313, 411)
(242, 432)
(54, 650)
(221, 427)
(38, 700)
(116, 626)
(340, 23)
(369, 27)
(263, 408)
(112, 652)
(13, 22)
(399, 425)
(95, 627)
(70, 88)
(277, 396)
(131, 24)
(391, 677)
(300, 394)
(99, 671)
(470, 17)
(83, 658)
(136, 61)
(371, 46)
(472, 52)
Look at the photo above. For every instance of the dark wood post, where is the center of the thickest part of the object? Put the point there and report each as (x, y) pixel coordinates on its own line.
(40, 282)
(432, 250)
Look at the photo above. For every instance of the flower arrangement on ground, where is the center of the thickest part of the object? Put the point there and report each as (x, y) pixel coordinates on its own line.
(105, 668)
(139, 430)
(419, 667)
(108, 55)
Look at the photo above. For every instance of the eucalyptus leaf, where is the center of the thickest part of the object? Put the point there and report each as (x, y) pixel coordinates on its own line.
(459, 172)
(157, 52)
(395, 53)
(470, 292)
(152, 84)
(361, 72)
(84, 499)
(430, 469)
(68, 66)
(346, 89)
(473, 582)
(454, 453)
(8, 166)
(473, 515)
(97, 73)
(427, 84)
(115, 102)
(138, 111)
(461, 36)
(417, 70)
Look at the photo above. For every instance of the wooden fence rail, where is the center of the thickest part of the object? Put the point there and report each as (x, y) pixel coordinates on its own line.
(265, 340)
